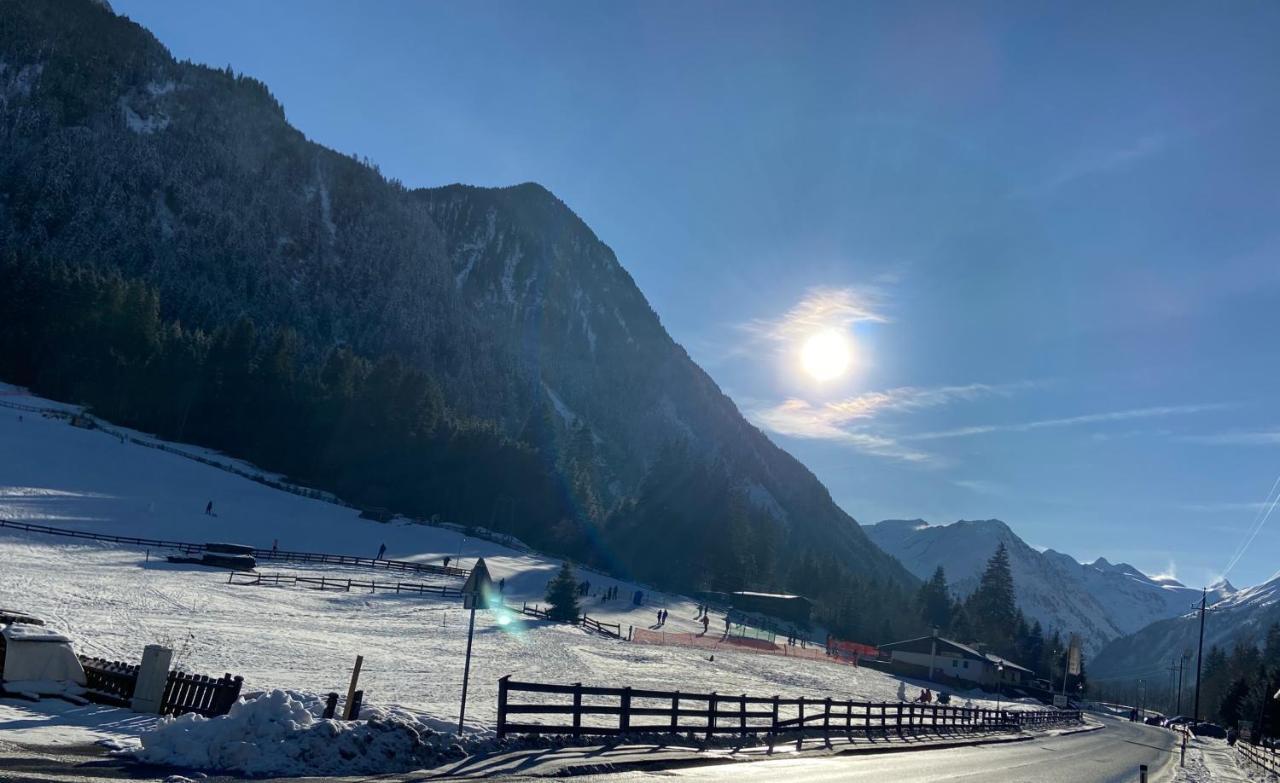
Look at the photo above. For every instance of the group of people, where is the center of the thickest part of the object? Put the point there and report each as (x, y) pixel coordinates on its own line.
(608, 594)
(926, 697)
(662, 618)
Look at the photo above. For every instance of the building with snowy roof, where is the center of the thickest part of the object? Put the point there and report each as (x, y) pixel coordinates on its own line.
(936, 658)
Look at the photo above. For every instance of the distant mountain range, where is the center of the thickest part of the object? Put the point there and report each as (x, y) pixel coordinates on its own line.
(190, 180)
(1101, 601)
(1243, 615)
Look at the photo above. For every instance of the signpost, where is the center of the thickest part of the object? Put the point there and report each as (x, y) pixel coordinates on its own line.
(475, 595)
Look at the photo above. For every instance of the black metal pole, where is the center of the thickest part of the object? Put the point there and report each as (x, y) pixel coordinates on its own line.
(1182, 662)
(466, 671)
(1204, 593)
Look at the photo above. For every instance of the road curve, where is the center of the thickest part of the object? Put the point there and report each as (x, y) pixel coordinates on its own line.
(1111, 755)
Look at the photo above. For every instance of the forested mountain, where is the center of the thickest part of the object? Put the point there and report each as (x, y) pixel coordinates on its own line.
(1101, 601)
(194, 265)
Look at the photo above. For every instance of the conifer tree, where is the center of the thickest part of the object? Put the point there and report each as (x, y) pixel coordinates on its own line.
(992, 609)
(562, 595)
(933, 601)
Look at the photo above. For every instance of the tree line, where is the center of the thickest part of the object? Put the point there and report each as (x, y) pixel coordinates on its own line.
(990, 617)
(372, 430)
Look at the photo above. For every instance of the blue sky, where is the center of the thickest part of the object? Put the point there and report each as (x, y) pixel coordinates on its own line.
(1052, 236)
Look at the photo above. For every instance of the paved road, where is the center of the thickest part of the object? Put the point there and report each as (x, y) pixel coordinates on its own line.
(1111, 755)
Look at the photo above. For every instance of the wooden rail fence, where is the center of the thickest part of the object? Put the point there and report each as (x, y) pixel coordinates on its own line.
(113, 682)
(613, 630)
(190, 548)
(1267, 759)
(345, 585)
(585, 710)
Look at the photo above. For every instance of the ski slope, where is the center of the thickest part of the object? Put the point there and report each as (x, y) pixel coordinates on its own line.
(112, 600)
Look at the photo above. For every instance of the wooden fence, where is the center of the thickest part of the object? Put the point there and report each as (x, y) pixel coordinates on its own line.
(345, 585)
(113, 682)
(185, 548)
(618, 711)
(613, 630)
(1267, 759)
(190, 548)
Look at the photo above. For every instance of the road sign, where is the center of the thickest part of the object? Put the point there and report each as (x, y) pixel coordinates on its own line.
(1073, 656)
(478, 587)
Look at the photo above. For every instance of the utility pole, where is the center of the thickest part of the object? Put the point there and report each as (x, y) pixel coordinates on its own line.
(1173, 667)
(1182, 662)
(1204, 596)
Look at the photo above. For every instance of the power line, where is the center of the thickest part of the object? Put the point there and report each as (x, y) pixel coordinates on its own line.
(1260, 519)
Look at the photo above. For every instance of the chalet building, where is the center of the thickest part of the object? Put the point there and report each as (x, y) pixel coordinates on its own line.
(936, 658)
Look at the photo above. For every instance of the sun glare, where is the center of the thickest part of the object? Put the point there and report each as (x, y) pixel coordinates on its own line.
(826, 355)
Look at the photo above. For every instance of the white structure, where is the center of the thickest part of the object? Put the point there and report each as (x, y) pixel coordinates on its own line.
(37, 660)
(152, 676)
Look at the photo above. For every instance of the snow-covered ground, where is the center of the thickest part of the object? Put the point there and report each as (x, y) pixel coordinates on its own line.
(112, 600)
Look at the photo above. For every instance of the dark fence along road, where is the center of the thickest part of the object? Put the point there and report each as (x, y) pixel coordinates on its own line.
(583, 710)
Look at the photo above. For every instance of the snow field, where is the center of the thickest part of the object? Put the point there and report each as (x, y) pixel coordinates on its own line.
(111, 601)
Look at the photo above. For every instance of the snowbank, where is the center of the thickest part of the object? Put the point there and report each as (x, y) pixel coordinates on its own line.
(278, 733)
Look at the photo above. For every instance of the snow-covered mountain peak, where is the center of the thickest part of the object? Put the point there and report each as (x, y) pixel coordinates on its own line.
(1100, 600)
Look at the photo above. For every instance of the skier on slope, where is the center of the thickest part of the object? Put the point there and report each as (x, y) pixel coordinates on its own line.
(208, 509)
(382, 550)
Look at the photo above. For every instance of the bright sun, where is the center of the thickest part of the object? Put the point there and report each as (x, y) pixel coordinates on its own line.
(826, 355)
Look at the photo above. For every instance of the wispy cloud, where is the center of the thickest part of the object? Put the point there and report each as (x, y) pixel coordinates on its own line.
(1102, 161)
(799, 419)
(821, 308)
(847, 420)
(1224, 506)
(1070, 421)
(983, 487)
(1237, 438)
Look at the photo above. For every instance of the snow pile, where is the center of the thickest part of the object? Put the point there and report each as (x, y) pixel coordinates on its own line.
(278, 734)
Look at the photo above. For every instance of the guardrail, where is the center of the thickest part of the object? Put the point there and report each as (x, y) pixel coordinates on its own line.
(1267, 759)
(345, 585)
(619, 711)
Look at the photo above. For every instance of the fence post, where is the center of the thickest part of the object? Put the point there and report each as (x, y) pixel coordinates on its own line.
(148, 694)
(848, 719)
(577, 709)
(502, 705)
(826, 721)
(624, 716)
(675, 712)
(899, 720)
(331, 707)
(773, 727)
(742, 715)
(711, 715)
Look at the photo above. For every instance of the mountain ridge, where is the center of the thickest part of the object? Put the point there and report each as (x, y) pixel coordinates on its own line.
(191, 180)
(1101, 601)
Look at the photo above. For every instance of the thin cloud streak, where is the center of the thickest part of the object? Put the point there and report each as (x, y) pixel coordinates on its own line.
(1070, 421)
(798, 419)
(845, 420)
(1259, 438)
(821, 308)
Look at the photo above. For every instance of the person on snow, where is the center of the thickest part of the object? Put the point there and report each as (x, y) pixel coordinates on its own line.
(706, 621)
(902, 691)
(382, 550)
(446, 561)
(502, 585)
(208, 509)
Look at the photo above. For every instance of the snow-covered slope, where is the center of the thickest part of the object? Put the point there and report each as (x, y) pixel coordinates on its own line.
(1099, 600)
(112, 600)
(1243, 615)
